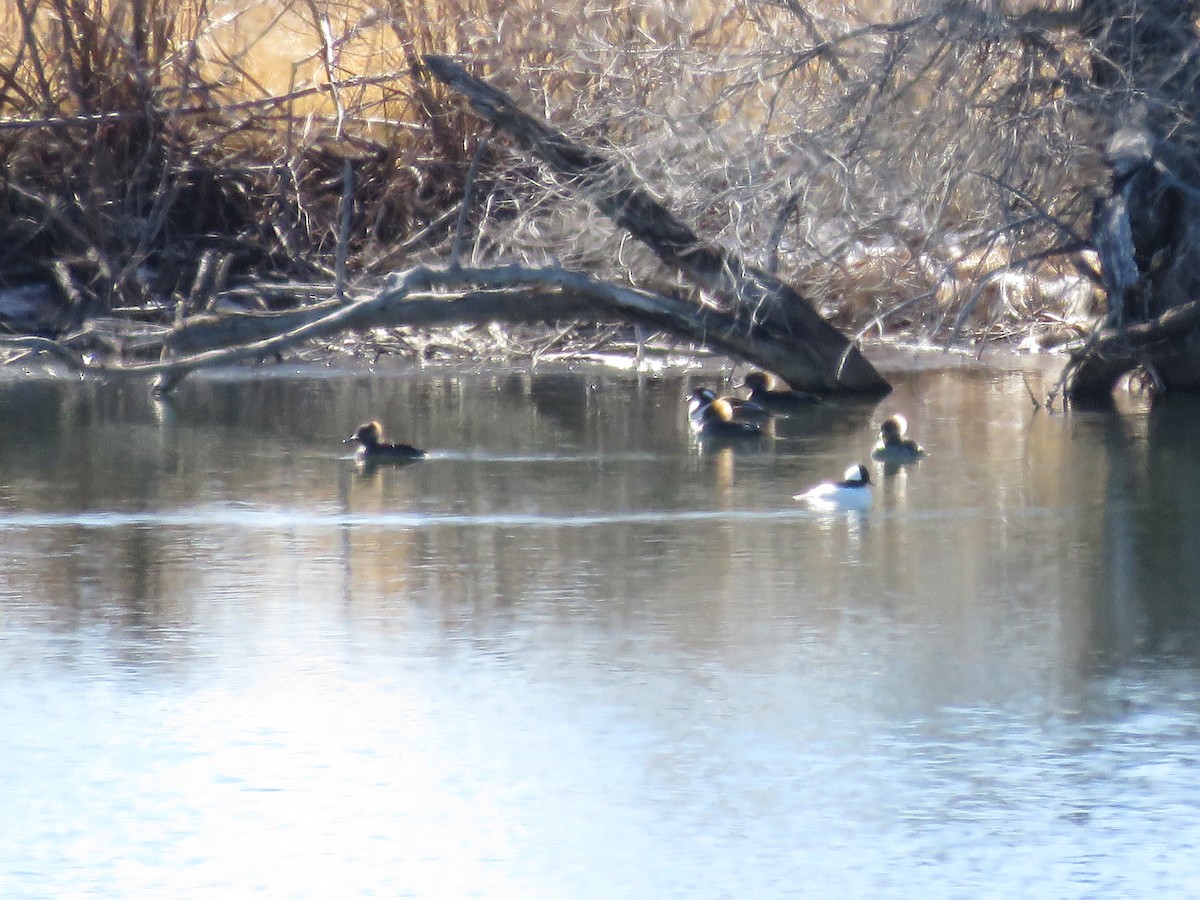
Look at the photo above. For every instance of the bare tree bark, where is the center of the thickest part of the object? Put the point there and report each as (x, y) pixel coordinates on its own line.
(764, 307)
(1094, 369)
(1146, 231)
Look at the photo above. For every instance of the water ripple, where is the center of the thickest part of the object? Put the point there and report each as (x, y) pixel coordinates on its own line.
(263, 518)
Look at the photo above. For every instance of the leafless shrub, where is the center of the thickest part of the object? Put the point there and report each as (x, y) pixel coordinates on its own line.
(893, 161)
(897, 172)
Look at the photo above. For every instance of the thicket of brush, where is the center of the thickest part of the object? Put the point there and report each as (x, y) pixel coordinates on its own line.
(156, 156)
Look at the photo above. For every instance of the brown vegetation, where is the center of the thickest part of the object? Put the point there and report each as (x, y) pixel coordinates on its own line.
(923, 169)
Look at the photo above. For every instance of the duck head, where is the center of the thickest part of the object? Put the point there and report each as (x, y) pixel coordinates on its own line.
(758, 381)
(894, 428)
(718, 410)
(369, 434)
(856, 476)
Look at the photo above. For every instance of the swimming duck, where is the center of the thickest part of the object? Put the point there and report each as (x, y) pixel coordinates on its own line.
(763, 392)
(743, 410)
(371, 446)
(893, 446)
(852, 492)
(715, 420)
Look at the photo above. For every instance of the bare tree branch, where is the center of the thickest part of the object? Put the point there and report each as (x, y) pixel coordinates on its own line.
(509, 294)
(825, 360)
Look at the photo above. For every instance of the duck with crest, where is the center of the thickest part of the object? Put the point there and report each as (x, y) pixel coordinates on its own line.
(893, 447)
(373, 448)
(741, 410)
(764, 392)
(716, 420)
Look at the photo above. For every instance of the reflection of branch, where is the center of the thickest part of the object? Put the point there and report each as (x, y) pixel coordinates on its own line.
(821, 46)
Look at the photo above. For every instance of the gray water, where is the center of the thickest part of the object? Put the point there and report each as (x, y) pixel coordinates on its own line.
(574, 655)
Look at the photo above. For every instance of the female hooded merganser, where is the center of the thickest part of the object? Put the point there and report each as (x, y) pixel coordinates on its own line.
(371, 446)
(715, 420)
(852, 492)
(763, 392)
(743, 410)
(893, 446)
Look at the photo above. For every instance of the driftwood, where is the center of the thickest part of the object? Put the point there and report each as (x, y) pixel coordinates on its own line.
(512, 295)
(807, 351)
(1095, 368)
(508, 294)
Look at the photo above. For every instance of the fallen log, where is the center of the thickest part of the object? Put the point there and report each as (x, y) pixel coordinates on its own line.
(1092, 371)
(765, 309)
(428, 297)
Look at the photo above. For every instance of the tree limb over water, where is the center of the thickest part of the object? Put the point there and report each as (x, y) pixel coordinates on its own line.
(1112, 352)
(427, 297)
(766, 308)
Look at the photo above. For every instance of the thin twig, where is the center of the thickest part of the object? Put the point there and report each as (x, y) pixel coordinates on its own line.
(464, 208)
(1032, 397)
(343, 245)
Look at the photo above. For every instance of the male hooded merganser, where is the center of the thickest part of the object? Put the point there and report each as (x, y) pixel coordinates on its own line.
(742, 410)
(852, 492)
(371, 446)
(764, 393)
(715, 420)
(893, 446)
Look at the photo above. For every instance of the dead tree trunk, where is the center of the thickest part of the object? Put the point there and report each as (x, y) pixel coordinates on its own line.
(427, 298)
(808, 351)
(1146, 231)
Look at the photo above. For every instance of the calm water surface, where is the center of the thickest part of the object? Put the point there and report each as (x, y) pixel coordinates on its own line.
(574, 655)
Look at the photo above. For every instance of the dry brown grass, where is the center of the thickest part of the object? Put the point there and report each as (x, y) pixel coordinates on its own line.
(870, 165)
